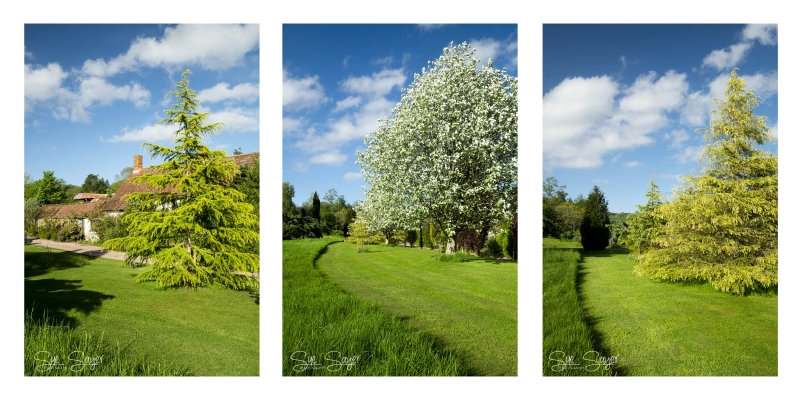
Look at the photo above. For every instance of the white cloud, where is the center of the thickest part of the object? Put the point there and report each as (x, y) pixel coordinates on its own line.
(236, 119)
(631, 164)
(43, 83)
(378, 84)
(292, 124)
(774, 130)
(299, 94)
(494, 49)
(677, 136)
(429, 27)
(246, 92)
(690, 154)
(333, 157)
(352, 176)
(726, 59)
(149, 133)
(367, 106)
(212, 47)
(349, 102)
(766, 34)
(583, 122)
(735, 53)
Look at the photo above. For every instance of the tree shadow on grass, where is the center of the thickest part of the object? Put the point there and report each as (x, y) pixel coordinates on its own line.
(53, 299)
(597, 338)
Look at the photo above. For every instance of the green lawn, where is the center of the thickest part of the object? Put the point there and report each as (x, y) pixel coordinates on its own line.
(327, 331)
(206, 332)
(676, 329)
(470, 307)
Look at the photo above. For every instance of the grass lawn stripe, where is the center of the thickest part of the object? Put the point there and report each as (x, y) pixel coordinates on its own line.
(678, 329)
(471, 306)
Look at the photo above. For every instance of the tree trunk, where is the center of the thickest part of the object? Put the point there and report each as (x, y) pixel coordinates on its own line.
(451, 245)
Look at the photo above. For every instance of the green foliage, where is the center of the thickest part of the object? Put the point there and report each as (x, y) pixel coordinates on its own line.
(248, 183)
(644, 223)
(300, 227)
(594, 227)
(288, 192)
(458, 256)
(94, 184)
(196, 229)
(411, 236)
(50, 190)
(722, 226)
(315, 208)
(46, 339)
(109, 227)
(493, 248)
(31, 206)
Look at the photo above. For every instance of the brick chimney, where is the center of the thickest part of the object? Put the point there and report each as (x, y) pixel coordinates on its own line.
(137, 163)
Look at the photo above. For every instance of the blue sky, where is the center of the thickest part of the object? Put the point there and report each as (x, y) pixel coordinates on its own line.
(94, 92)
(622, 102)
(338, 80)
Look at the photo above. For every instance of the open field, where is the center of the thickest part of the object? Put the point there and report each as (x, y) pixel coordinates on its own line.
(471, 307)
(206, 332)
(673, 329)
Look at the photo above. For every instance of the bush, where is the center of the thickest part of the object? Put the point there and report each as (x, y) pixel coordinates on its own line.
(493, 248)
(109, 227)
(337, 232)
(458, 256)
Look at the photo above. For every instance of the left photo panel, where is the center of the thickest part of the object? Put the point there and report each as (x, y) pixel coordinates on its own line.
(141, 200)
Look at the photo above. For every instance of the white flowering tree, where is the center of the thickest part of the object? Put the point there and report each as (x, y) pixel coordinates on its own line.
(449, 152)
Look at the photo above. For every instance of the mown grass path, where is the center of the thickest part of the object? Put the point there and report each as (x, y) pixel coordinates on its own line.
(676, 329)
(327, 331)
(471, 307)
(209, 332)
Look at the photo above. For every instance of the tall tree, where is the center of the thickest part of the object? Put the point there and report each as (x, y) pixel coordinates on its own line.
(644, 223)
(194, 227)
(288, 206)
(315, 208)
(594, 227)
(722, 225)
(50, 190)
(94, 184)
(449, 153)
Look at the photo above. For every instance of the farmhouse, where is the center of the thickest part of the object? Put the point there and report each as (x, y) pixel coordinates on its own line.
(100, 205)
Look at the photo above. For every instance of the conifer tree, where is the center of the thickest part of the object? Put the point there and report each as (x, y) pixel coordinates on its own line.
(194, 228)
(722, 226)
(594, 227)
(644, 223)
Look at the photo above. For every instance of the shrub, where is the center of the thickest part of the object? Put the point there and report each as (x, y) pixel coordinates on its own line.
(493, 248)
(458, 256)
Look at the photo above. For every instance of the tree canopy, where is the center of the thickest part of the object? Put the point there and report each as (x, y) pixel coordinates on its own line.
(194, 227)
(449, 152)
(94, 184)
(722, 225)
(50, 190)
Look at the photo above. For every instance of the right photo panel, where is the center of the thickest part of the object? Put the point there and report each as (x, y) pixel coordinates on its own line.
(660, 200)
